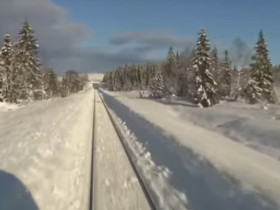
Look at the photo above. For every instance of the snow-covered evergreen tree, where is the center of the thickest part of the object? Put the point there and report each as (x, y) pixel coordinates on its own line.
(177, 59)
(127, 79)
(170, 77)
(170, 61)
(2, 83)
(181, 76)
(157, 85)
(260, 85)
(225, 79)
(215, 63)
(110, 82)
(9, 75)
(205, 85)
(28, 64)
(139, 78)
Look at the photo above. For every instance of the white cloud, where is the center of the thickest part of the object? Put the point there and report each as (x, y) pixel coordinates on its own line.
(55, 32)
(61, 39)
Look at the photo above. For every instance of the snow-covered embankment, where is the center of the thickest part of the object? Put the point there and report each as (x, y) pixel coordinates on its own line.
(46, 145)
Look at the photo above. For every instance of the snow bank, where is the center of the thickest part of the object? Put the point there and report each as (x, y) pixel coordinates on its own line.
(251, 125)
(7, 107)
(46, 146)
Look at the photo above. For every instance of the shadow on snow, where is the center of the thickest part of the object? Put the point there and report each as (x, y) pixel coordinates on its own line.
(14, 195)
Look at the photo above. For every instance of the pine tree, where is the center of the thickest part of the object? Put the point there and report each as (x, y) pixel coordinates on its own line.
(28, 64)
(157, 85)
(205, 85)
(260, 85)
(9, 75)
(215, 64)
(143, 77)
(139, 78)
(181, 76)
(225, 81)
(170, 72)
(110, 84)
(127, 83)
(2, 83)
(177, 58)
(170, 62)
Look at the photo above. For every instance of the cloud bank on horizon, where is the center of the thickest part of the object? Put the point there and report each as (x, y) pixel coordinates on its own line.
(62, 41)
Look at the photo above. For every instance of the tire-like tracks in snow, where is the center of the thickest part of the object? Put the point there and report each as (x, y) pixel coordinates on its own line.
(126, 149)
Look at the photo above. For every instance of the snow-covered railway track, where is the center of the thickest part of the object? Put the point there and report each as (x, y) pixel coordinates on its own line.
(91, 192)
(115, 181)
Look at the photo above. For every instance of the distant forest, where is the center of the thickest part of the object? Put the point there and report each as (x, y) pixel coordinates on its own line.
(202, 76)
(24, 79)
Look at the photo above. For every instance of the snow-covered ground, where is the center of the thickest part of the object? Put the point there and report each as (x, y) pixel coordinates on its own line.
(205, 165)
(45, 152)
(255, 126)
(7, 107)
(219, 158)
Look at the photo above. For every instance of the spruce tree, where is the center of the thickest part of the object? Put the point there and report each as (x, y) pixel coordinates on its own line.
(110, 83)
(170, 61)
(225, 81)
(205, 85)
(157, 85)
(9, 76)
(181, 76)
(144, 77)
(28, 64)
(127, 84)
(215, 63)
(139, 78)
(177, 58)
(170, 71)
(2, 84)
(260, 85)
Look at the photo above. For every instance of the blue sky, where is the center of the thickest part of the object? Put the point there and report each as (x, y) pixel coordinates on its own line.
(224, 20)
(99, 35)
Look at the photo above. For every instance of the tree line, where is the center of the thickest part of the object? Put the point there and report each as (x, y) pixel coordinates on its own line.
(24, 79)
(202, 76)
